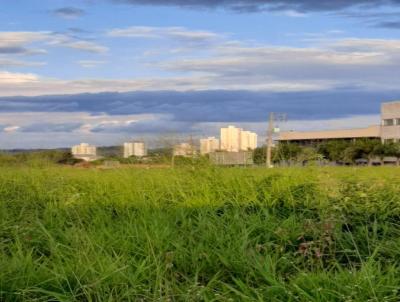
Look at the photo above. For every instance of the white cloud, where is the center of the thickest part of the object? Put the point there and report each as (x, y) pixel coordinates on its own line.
(10, 129)
(9, 78)
(21, 42)
(90, 63)
(20, 38)
(362, 63)
(14, 135)
(86, 46)
(5, 62)
(177, 33)
(220, 64)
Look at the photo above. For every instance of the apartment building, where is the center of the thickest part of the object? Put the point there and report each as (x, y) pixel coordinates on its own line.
(230, 139)
(135, 149)
(236, 139)
(248, 140)
(208, 145)
(84, 151)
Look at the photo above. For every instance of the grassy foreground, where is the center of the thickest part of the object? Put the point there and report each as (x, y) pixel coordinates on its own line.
(207, 234)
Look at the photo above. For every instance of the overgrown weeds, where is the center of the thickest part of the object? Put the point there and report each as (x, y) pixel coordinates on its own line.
(199, 235)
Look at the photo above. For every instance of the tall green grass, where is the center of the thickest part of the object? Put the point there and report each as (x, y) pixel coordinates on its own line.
(207, 234)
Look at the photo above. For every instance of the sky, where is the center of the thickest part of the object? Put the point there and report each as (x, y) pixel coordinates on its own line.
(105, 71)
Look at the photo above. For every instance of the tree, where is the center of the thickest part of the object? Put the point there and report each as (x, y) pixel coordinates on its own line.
(259, 155)
(286, 151)
(333, 150)
(387, 149)
(360, 149)
(308, 154)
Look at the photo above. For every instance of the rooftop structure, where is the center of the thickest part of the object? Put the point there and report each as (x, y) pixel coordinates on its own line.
(388, 130)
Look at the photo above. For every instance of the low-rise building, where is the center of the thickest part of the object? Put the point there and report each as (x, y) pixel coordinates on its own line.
(319, 136)
(387, 131)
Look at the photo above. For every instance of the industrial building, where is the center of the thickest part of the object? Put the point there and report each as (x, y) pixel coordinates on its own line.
(236, 139)
(84, 151)
(387, 131)
(135, 149)
(208, 145)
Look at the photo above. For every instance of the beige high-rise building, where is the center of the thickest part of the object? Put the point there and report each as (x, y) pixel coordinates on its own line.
(134, 149)
(248, 140)
(236, 139)
(253, 140)
(84, 151)
(230, 139)
(208, 145)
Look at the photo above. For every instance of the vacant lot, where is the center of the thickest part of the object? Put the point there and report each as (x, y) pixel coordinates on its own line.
(203, 234)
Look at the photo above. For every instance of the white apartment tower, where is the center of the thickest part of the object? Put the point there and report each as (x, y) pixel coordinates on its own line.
(248, 140)
(134, 149)
(208, 145)
(236, 139)
(230, 139)
(84, 151)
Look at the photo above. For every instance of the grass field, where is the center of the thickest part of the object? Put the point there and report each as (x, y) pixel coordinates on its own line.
(205, 234)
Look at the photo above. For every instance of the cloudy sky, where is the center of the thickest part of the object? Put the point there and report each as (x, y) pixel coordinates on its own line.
(103, 71)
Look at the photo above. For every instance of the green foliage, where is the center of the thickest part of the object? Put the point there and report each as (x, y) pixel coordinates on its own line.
(387, 149)
(333, 150)
(286, 151)
(202, 234)
(259, 155)
(38, 158)
(308, 155)
(200, 161)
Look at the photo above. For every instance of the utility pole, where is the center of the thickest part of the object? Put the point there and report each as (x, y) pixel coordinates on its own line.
(270, 133)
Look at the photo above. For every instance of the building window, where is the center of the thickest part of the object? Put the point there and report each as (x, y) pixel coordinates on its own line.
(398, 121)
(388, 122)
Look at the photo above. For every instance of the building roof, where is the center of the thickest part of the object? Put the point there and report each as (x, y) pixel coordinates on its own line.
(371, 131)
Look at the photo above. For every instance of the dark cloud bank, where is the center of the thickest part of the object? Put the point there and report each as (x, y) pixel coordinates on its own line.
(210, 106)
(261, 5)
(69, 12)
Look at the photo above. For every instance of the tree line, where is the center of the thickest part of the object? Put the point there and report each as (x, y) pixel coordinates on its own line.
(338, 151)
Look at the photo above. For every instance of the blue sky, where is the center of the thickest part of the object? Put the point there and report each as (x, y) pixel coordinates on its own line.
(109, 70)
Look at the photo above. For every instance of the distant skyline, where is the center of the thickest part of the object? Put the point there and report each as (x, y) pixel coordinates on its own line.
(106, 71)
